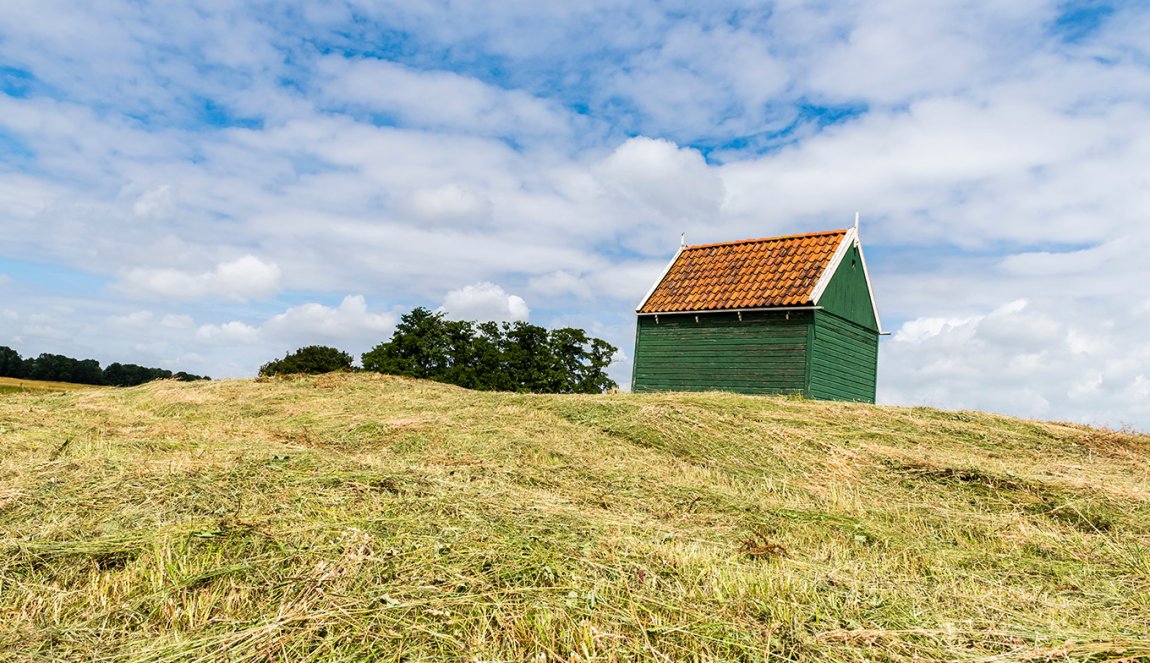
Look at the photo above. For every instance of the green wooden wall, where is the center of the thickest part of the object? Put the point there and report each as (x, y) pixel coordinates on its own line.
(847, 294)
(843, 360)
(765, 353)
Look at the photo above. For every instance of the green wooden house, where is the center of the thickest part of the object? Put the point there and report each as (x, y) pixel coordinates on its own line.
(792, 314)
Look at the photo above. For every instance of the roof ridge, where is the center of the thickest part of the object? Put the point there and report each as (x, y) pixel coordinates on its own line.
(820, 233)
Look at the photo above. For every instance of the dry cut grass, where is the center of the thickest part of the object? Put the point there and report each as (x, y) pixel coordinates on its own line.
(20, 385)
(362, 517)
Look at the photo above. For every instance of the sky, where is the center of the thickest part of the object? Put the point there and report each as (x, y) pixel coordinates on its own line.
(206, 185)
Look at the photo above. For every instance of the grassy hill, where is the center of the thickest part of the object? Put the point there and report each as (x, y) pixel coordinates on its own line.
(355, 517)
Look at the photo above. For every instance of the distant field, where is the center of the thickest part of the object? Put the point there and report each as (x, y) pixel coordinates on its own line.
(17, 385)
(360, 517)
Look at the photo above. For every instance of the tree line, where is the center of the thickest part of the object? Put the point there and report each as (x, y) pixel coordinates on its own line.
(58, 368)
(487, 356)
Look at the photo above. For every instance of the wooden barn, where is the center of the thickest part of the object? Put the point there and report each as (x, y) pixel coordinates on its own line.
(793, 314)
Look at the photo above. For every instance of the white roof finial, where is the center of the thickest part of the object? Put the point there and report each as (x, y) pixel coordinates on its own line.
(856, 221)
(682, 239)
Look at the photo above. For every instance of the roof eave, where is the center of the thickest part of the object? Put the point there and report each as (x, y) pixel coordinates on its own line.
(754, 309)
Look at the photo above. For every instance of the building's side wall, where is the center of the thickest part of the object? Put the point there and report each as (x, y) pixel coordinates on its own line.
(764, 353)
(844, 359)
(847, 294)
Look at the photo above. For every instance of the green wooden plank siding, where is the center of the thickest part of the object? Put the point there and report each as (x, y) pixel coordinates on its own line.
(844, 360)
(764, 353)
(847, 294)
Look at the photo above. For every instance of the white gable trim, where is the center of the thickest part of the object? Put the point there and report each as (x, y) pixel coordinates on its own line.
(833, 265)
(659, 280)
(851, 239)
(869, 289)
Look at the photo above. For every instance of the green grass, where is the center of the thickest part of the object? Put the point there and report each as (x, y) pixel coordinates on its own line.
(362, 517)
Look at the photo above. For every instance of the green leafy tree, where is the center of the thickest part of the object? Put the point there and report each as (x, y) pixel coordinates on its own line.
(11, 364)
(59, 368)
(420, 347)
(489, 366)
(583, 361)
(313, 359)
(87, 371)
(515, 356)
(529, 359)
(130, 375)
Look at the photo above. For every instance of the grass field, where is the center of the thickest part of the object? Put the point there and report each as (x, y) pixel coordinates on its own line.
(19, 385)
(363, 517)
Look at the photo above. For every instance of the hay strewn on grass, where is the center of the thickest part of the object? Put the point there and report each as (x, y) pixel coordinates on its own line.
(20, 385)
(351, 517)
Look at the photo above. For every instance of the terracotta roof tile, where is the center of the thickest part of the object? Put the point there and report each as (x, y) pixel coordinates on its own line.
(752, 273)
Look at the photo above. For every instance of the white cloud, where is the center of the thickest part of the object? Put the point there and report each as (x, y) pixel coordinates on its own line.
(136, 319)
(177, 321)
(672, 180)
(350, 320)
(899, 49)
(154, 204)
(482, 302)
(449, 203)
(439, 99)
(241, 279)
(560, 283)
(685, 84)
(307, 324)
(228, 333)
(1021, 360)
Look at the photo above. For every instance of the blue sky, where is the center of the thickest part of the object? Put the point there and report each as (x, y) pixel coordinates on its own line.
(205, 185)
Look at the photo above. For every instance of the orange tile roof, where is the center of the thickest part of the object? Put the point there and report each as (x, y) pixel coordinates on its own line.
(752, 273)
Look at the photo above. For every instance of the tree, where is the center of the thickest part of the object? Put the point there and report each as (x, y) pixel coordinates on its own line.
(313, 359)
(529, 359)
(130, 375)
(11, 364)
(489, 356)
(59, 368)
(87, 371)
(583, 361)
(420, 347)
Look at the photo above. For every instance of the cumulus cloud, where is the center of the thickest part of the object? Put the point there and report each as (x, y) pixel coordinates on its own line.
(241, 279)
(675, 181)
(228, 333)
(484, 301)
(351, 319)
(1022, 360)
(306, 324)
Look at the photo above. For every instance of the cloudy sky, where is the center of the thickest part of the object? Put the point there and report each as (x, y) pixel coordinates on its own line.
(206, 185)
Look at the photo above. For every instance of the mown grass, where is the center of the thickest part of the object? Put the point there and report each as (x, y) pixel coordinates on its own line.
(362, 517)
(20, 385)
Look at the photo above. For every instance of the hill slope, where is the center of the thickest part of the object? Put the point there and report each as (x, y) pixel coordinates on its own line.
(357, 517)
